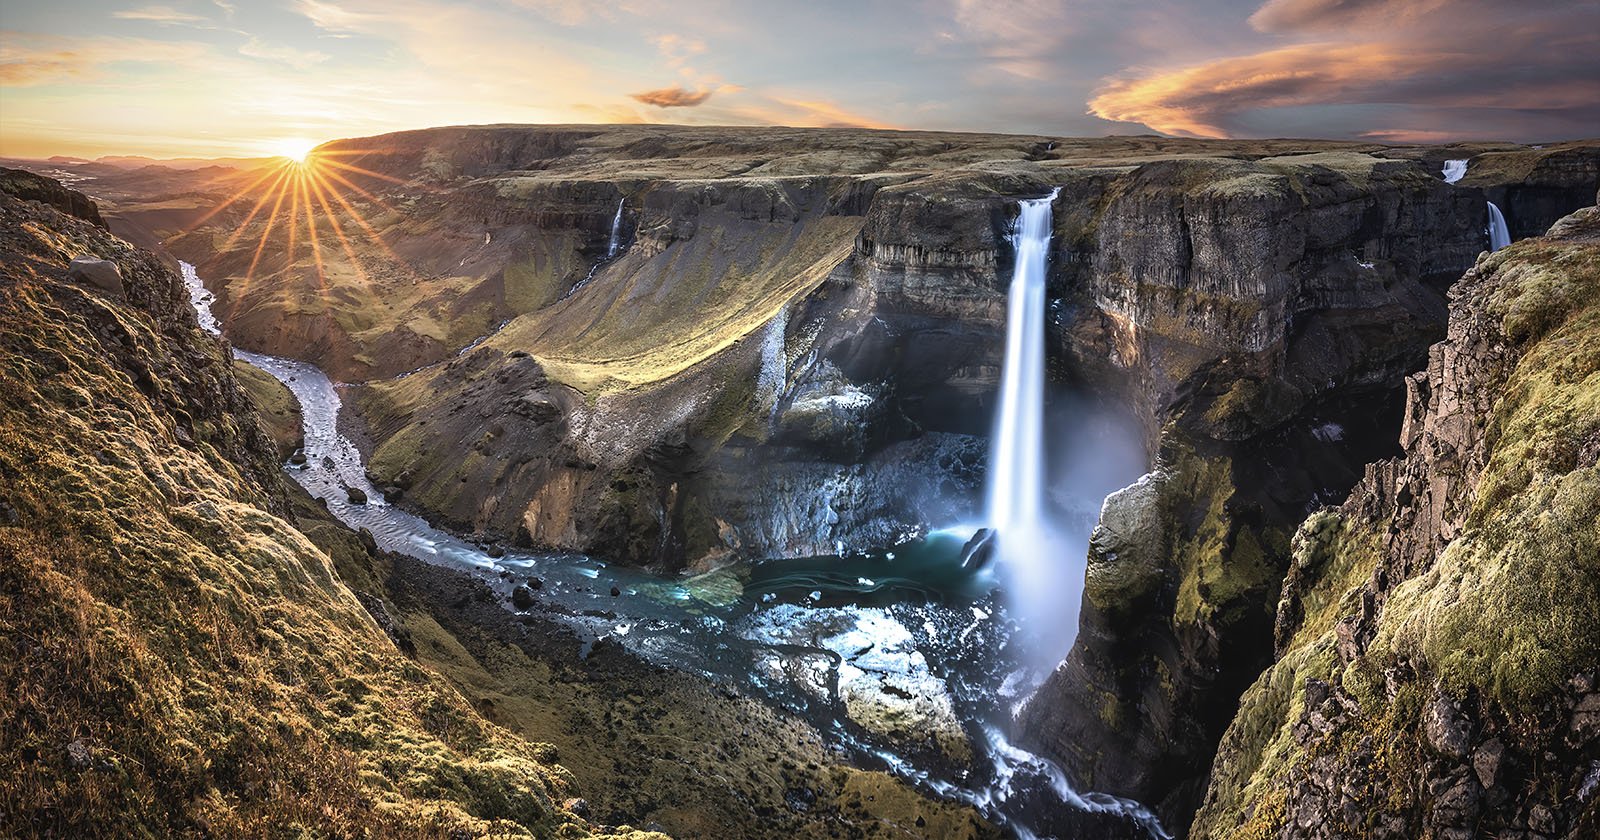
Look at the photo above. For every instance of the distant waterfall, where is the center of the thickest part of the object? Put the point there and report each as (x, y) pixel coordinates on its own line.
(1499, 234)
(616, 231)
(1454, 170)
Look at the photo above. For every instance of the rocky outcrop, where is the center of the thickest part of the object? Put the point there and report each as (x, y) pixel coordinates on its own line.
(1436, 651)
(30, 187)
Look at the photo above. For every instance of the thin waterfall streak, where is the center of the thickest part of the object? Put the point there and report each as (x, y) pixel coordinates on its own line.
(1499, 232)
(616, 231)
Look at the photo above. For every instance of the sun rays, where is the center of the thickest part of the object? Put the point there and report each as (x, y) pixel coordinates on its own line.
(302, 199)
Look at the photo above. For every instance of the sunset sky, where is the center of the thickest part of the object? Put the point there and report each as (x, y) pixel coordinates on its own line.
(214, 78)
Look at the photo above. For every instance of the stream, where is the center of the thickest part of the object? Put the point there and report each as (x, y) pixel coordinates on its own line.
(899, 633)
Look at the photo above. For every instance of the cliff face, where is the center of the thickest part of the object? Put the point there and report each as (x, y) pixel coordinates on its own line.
(1435, 670)
(759, 337)
(1260, 316)
(177, 658)
(758, 372)
(1535, 187)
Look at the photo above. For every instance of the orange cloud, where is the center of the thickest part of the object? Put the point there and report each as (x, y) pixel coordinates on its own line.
(676, 96)
(27, 62)
(1195, 101)
(1468, 69)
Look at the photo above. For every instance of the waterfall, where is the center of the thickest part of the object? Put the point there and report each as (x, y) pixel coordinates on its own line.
(613, 245)
(1016, 474)
(1499, 234)
(1454, 170)
(1026, 546)
(616, 231)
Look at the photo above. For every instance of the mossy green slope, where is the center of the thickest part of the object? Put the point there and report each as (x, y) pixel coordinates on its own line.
(176, 659)
(1438, 640)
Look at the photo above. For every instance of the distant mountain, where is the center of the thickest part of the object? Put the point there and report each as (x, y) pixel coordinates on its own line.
(140, 161)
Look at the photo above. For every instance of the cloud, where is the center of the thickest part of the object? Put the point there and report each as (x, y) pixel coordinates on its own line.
(298, 58)
(158, 14)
(333, 18)
(673, 97)
(1460, 71)
(1019, 38)
(27, 61)
(1408, 135)
(1315, 15)
(565, 12)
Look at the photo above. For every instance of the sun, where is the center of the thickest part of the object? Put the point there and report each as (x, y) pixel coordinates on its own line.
(296, 149)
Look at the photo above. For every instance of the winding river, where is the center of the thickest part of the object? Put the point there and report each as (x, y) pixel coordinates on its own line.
(838, 640)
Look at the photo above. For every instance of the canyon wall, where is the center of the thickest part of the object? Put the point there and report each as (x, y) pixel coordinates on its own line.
(1436, 643)
(795, 350)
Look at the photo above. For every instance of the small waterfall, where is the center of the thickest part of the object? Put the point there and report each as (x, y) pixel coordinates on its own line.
(200, 299)
(613, 245)
(616, 231)
(1454, 170)
(1499, 234)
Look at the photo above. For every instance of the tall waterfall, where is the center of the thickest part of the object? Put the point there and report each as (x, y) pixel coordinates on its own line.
(1024, 540)
(616, 231)
(1016, 473)
(1499, 234)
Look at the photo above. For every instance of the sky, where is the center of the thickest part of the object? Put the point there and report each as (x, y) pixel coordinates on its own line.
(210, 78)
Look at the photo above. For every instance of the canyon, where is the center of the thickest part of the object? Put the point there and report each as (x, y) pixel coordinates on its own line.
(689, 350)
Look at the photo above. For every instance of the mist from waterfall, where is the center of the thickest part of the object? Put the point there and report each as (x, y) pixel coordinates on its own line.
(1499, 233)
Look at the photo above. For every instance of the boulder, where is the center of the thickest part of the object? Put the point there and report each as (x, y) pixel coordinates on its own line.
(101, 274)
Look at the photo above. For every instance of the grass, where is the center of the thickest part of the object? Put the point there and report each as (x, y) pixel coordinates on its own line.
(275, 405)
(176, 659)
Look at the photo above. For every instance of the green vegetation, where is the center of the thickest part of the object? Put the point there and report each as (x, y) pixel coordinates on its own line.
(646, 319)
(275, 406)
(1222, 564)
(1508, 608)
